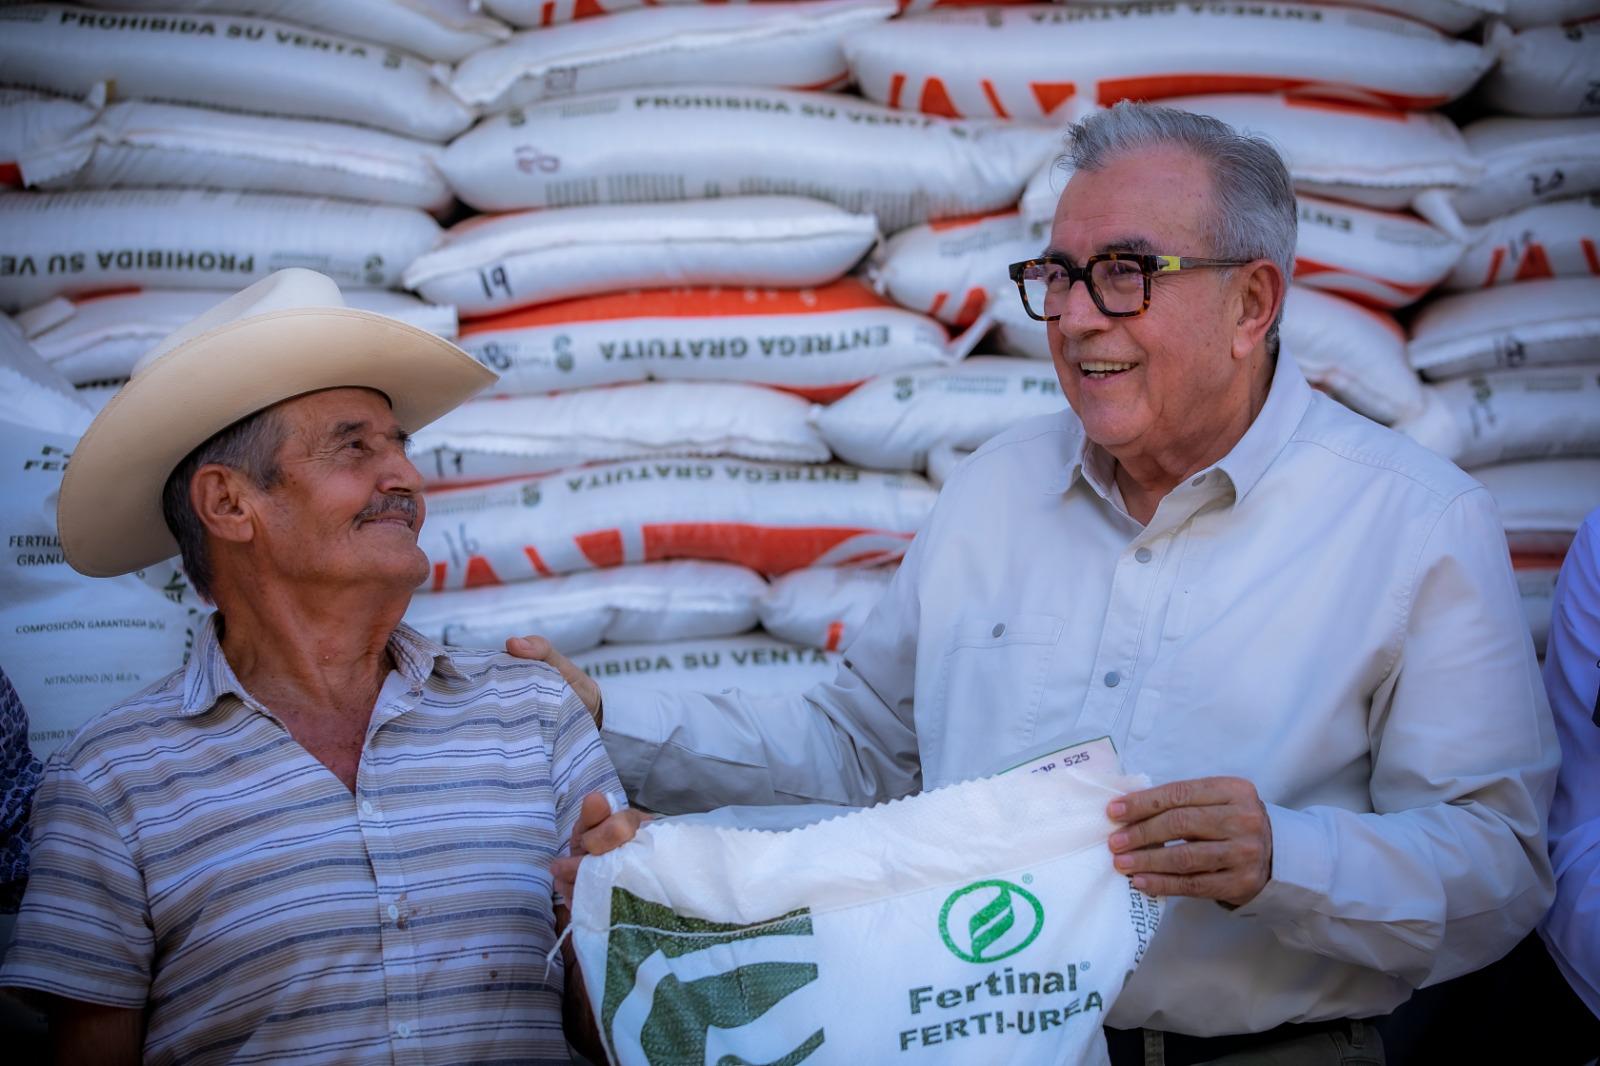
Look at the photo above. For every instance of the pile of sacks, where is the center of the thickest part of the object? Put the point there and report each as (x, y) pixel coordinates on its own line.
(741, 268)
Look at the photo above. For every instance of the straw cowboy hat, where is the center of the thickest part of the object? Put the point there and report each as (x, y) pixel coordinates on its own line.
(286, 335)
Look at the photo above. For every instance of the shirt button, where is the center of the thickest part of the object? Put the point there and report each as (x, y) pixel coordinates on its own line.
(402, 1030)
(394, 912)
(1199, 480)
(1113, 679)
(1144, 555)
(367, 808)
(999, 627)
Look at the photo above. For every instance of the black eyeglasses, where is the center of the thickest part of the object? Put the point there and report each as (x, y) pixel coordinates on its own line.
(1118, 282)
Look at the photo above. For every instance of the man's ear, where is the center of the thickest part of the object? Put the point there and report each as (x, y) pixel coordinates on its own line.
(225, 502)
(1260, 293)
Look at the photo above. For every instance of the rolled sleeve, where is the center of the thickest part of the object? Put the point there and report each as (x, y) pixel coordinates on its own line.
(84, 930)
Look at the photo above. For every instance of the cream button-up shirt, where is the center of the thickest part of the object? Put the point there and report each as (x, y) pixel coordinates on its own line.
(1329, 612)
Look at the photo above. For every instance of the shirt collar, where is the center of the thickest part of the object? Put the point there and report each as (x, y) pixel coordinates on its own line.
(1288, 396)
(209, 676)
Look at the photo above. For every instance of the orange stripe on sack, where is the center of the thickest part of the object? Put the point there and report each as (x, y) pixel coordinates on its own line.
(1307, 268)
(1052, 94)
(1156, 87)
(994, 99)
(835, 636)
(822, 393)
(537, 560)
(602, 548)
(765, 549)
(972, 307)
(939, 299)
(1495, 261)
(440, 571)
(549, 14)
(958, 221)
(936, 99)
(1535, 263)
(897, 85)
(1537, 560)
(846, 294)
(479, 573)
(583, 9)
(1589, 255)
(11, 174)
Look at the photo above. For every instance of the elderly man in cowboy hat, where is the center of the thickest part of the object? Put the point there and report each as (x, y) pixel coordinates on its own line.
(325, 837)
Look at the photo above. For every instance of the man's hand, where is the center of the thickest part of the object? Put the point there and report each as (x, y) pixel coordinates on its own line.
(545, 652)
(1226, 852)
(597, 832)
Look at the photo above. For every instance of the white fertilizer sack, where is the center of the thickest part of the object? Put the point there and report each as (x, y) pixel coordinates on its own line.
(755, 662)
(33, 121)
(1555, 322)
(1546, 70)
(434, 29)
(770, 517)
(524, 435)
(893, 421)
(1355, 353)
(1529, 161)
(229, 61)
(703, 142)
(148, 145)
(1551, 412)
(488, 264)
(101, 337)
(999, 930)
(683, 600)
(1379, 258)
(785, 45)
(1451, 16)
(1522, 14)
(72, 243)
(1542, 503)
(1556, 239)
(819, 343)
(952, 269)
(822, 607)
(1026, 62)
(1368, 155)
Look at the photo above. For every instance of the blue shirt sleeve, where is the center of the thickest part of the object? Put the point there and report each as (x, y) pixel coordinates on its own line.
(1572, 678)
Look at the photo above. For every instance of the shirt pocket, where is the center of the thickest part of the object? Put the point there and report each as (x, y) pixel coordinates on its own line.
(990, 686)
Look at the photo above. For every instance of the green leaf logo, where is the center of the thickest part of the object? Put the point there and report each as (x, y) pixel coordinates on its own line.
(1001, 919)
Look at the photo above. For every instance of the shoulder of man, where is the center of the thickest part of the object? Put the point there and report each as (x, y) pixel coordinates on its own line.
(506, 674)
(1342, 433)
(133, 723)
(1042, 446)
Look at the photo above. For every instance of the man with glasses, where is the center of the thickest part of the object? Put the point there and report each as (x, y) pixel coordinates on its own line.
(1303, 626)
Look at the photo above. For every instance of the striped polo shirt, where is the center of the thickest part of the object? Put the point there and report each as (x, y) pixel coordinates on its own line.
(190, 858)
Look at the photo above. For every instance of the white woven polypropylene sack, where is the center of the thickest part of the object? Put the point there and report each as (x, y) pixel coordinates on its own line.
(822, 607)
(892, 421)
(781, 44)
(1546, 70)
(519, 436)
(55, 244)
(31, 121)
(149, 145)
(1025, 62)
(1547, 413)
(980, 922)
(1451, 16)
(1529, 161)
(1521, 14)
(1354, 352)
(952, 269)
(819, 343)
(1368, 155)
(1379, 258)
(490, 264)
(755, 663)
(434, 29)
(703, 142)
(1534, 323)
(101, 337)
(1557, 239)
(250, 64)
(770, 517)
(1542, 503)
(684, 600)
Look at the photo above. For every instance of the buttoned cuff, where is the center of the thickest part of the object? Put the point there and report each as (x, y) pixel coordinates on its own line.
(1302, 867)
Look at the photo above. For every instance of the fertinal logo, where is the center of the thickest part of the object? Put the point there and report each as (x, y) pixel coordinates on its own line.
(990, 920)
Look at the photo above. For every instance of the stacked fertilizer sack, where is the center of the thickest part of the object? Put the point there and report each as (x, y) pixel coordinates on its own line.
(730, 260)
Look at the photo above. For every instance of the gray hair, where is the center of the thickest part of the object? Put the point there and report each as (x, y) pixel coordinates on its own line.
(1255, 214)
(249, 446)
